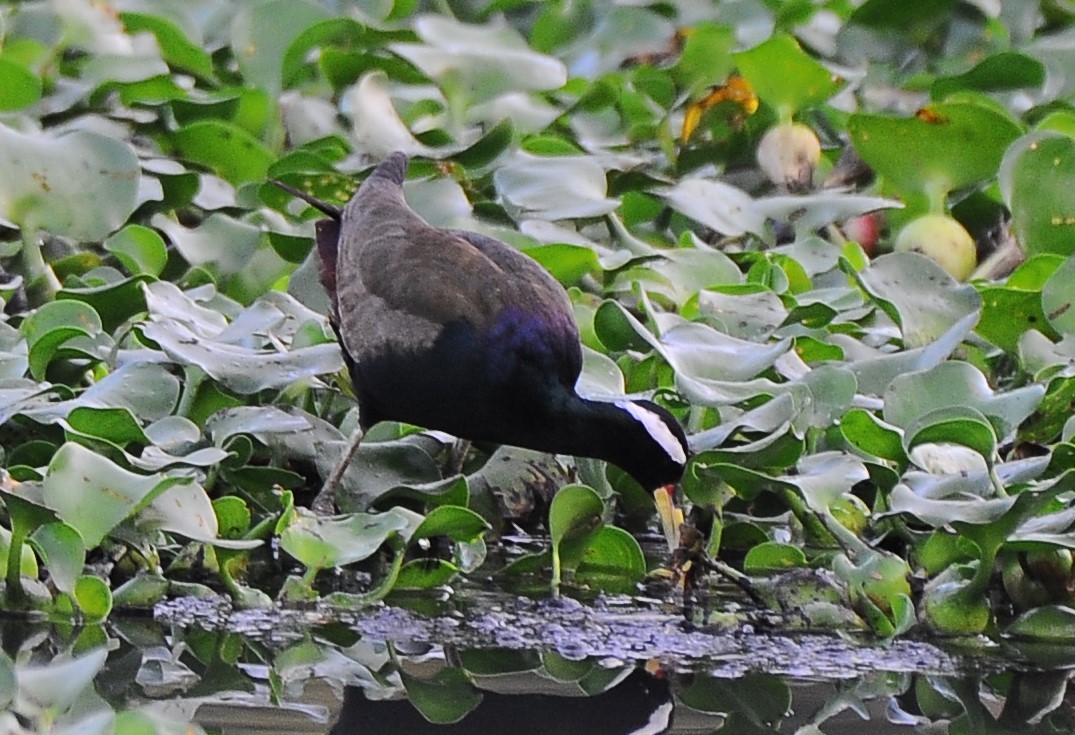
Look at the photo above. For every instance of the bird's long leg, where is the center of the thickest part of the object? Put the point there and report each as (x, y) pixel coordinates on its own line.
(325, 502)
(457, 456)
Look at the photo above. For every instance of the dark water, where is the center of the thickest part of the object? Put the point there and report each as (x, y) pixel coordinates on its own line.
(483, 663)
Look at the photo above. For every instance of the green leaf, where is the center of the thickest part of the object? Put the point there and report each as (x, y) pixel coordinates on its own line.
(50, 328)
(873, 436)
(957, 385)
(574, 517)
(612, 561)
(1003, 71)
(322, 543)
(458, 524)
(918, 294)
(140, 250)
(706, 59)
(262, 34)
(1037, 179)
(19, 87)
(945, 146)
(94, 597)
(64, 554)
(178, 51)
(81, 184)
(1047, 623)
(93, 495)
(443, 699)
(224, 148)
(786, 77)
(772, 556)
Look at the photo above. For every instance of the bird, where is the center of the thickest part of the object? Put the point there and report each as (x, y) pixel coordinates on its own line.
(458, 332)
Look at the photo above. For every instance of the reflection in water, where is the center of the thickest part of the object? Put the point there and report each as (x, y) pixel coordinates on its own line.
(641, 702)
(138, 676)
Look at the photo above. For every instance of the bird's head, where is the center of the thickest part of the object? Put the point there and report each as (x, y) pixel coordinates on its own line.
(658, 452)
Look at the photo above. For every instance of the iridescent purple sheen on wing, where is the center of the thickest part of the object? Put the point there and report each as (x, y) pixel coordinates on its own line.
(547, 340)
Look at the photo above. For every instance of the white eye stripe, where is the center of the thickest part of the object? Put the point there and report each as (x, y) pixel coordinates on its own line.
(656, 428)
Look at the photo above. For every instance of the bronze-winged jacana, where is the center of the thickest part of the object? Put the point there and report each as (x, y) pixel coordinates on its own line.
(456, 331)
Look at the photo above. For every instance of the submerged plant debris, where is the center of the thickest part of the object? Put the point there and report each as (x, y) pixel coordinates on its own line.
(618, 631)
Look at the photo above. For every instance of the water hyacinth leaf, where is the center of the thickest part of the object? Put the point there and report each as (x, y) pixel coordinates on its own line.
(772, 556)
(26, 514)
(457, 523)
(943, 147)
(200, 246)
(1036, 179)
(869, 434)
(425, 574)
(93, 495)
(380, 468)
(574, 517)
(1008, 314)
(690, 270)
(487, 148)
(1002, 71)
(919, 294)
(115, 301)
(57, 685)
(49, 328)
(831, 392)
(178, 51)
(445, 698)
(824, 478)
(719, 206)
(257, 421)
(1058, 299)
(261, 35)
(555, 188)
(145, 389)
(768, 418)
(600, 375)
(166, 300)
(752, 313)
(1046, 623)
(224, 148)
(786, 77)
(93, 596)
(960, 425)
(185, 508)
(19, 87)
(707, 57)
(479, 61)
(612, 561)
(951, 384)
(322, 543)
(875, 374)
(568, 264)
(62, 551)
(140, 249)
(114, 425)
(702, 353)
(242, 369)
(375, 124)
(997, 517)
(82, 184)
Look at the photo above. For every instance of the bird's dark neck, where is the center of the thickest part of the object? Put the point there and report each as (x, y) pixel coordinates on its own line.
(607, 431)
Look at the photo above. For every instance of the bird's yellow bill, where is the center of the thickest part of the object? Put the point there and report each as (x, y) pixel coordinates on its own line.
(670, 514)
